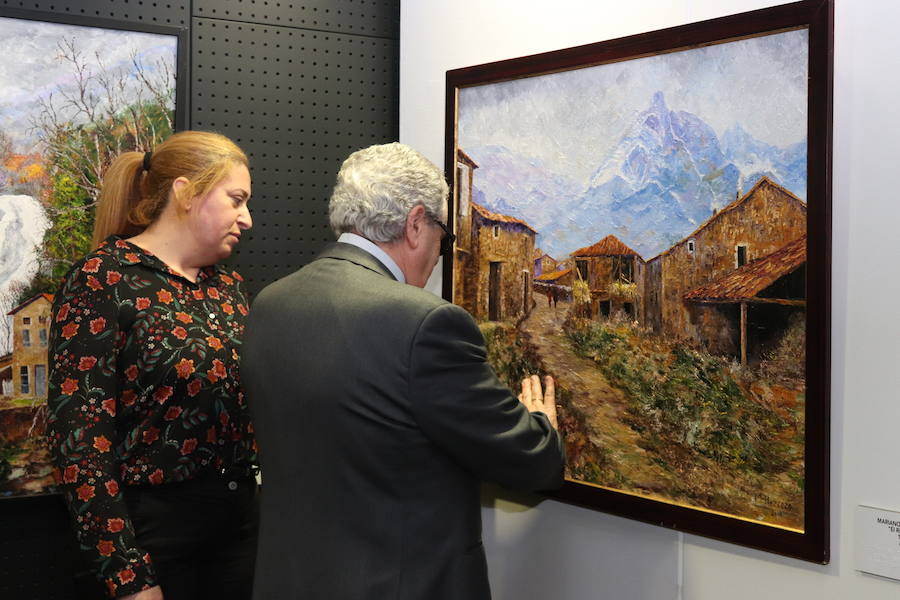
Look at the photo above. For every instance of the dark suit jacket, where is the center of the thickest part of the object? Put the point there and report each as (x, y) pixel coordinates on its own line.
(376, 416)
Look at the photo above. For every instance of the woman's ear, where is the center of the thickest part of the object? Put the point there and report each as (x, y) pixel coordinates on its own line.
(182, 194)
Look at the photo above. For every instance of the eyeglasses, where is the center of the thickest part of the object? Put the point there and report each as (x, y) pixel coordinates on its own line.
(447, 239)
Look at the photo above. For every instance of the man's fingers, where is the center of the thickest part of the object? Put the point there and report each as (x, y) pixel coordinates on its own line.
(549, 391)
(526, 396)
(550, 400)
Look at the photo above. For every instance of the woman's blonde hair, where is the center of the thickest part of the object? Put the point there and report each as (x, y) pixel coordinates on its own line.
(135, 191)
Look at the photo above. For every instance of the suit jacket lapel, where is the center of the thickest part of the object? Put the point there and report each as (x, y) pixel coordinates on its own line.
(355, 255)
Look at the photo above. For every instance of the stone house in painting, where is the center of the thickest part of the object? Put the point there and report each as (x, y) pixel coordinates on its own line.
(502, 247)
(544, 263)
(464, 292)
(31, 324)
(615, 275)
(698, 289)
(493, 257)
(758, 298)
(6, 383)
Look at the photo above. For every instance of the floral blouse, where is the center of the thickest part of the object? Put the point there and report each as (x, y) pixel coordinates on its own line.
(143, 390)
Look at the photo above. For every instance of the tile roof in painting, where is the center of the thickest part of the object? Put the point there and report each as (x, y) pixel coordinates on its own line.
(608, 246)
(498, 218)
(553, 276)
(748, 280)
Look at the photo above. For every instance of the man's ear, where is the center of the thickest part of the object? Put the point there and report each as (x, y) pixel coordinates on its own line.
(415, 224)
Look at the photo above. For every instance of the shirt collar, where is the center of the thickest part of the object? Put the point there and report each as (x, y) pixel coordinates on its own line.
(373, 249)
(131, 254)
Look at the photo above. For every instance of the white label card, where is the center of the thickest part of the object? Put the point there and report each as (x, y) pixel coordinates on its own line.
(877, 547)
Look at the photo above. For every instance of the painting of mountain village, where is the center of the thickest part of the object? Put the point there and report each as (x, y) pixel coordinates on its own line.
(71, 98)
(638, 230)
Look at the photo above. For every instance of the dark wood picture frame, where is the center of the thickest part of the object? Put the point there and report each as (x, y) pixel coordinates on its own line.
(811, 542)
(180, 121)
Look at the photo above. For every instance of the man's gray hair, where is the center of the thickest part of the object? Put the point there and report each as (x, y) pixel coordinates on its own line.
(378, 186)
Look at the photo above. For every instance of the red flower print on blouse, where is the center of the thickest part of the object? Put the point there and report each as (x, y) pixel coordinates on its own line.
(188, 446)
(109, 405)
(217, 372)
(172, 413)
(85, 492)
(70, 474)
(128, 397)
(94, 284)
(115, 525)
(105, 547)
(69, 386)
(162, 394)
(147, 396)
(237, 275)
(98, 325)
(156, 477)
(194, 387)
(126, 576)
(102, 444)
(152, 434)
(184, 368)
(92, 265)
(87, 363)
(63, 313)
(70, 330)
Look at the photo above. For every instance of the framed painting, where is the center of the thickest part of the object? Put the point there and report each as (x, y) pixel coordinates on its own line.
(647, 220)
(74, 93)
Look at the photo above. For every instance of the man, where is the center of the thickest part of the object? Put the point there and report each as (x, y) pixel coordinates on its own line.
(374, 408)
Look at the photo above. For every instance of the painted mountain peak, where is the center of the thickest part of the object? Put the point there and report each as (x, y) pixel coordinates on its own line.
(666, 175)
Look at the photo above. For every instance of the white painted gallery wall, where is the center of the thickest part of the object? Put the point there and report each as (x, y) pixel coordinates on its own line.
(554, 550)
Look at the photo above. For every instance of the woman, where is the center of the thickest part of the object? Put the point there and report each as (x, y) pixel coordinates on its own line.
(148, 426)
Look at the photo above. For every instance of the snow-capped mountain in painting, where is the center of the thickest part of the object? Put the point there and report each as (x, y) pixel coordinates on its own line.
(667, 174)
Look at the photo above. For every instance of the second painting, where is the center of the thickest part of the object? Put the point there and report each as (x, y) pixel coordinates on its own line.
(74, 93)
(639, 230)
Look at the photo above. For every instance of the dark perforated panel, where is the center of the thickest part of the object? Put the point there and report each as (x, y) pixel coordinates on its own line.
(159, 12)
(298, 102)
(379, 18)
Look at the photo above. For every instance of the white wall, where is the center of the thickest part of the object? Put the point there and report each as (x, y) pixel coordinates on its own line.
(558, 551)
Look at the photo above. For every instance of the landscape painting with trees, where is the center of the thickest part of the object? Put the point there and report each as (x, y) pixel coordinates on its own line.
(72, 97)
(638, 228)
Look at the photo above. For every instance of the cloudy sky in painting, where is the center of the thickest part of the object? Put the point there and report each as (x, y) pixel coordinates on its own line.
(31, 68)
(571, 120)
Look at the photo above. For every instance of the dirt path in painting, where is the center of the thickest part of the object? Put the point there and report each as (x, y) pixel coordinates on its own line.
(773, 498)
(601, 405)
